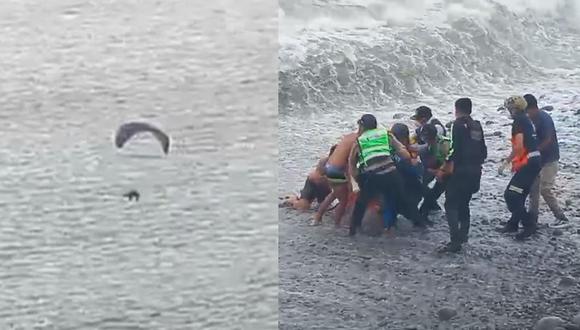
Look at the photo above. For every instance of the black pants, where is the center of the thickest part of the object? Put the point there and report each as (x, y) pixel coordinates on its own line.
(413, 188)
(390, 186)
(460, 187)
(517, 191)
(431, 195)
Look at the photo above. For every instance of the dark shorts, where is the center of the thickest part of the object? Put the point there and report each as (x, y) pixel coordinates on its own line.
(335, 175)
(312, 191)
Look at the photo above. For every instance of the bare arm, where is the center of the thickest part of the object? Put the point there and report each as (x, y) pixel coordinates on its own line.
(418, 147)
(352, 160)
(323, 207)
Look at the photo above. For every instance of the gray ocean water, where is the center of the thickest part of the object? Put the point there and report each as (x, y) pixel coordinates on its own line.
(198, 251)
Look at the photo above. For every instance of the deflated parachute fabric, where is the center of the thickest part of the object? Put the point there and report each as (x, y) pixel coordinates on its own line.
(126, 131)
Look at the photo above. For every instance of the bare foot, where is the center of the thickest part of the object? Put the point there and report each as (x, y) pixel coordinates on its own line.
(316, 222)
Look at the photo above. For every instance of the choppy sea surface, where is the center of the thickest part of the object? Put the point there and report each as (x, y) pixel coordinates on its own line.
(198, 251)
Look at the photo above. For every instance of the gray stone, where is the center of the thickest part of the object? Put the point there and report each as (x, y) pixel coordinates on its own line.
(567, 282)
(557, 232)
(547, 108)
(446, 313)
(576, 320)
(570, 326)
(549, 323)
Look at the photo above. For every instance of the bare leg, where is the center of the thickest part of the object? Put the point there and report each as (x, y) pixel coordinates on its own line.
(323, 208)
(342, 195)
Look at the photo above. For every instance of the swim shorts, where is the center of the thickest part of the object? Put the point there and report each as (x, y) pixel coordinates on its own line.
(335, 174)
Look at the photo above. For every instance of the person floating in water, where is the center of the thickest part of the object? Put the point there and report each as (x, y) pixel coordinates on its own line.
(525, 162)
(550, 154)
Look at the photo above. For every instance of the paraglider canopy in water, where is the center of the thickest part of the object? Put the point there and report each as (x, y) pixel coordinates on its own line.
(128, 130)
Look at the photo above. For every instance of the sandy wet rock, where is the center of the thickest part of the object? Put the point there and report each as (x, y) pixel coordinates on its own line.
(403, 276)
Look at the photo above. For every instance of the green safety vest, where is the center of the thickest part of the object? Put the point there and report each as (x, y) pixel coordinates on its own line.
(373, 143)
(438, 149)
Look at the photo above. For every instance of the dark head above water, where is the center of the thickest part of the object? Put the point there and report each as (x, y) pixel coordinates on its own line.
(126, 131)
(132, 194)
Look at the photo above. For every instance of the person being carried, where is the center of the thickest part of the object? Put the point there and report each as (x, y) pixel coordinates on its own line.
(335, 170)
(462, 171)
(424, 116)
(550, 155)
(437, 152)
(410, 169)
(371, 164)
(525, 162)
(316, 187)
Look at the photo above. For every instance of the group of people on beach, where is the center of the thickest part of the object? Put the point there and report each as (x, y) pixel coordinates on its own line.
(407, 173)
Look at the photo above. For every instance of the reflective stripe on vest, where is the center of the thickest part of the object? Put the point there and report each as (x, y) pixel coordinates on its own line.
(373, 143)
(439, 155)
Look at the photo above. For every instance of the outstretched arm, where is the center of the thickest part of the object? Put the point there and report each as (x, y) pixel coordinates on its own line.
(323, 207)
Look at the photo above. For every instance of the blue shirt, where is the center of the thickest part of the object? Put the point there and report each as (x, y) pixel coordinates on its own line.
(523, 125)
(544, 130)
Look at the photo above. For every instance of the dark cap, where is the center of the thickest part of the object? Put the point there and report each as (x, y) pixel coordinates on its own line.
(367, 121)
(532, 102)
(422, 112)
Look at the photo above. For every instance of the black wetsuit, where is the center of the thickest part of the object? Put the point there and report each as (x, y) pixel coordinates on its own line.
(468, 152)
(519, 186)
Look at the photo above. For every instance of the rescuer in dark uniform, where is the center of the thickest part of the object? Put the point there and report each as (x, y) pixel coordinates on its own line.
(463, 167)
(526, 164)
